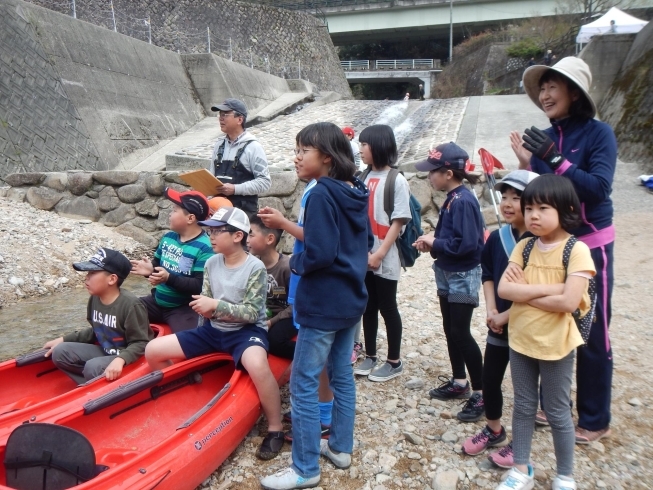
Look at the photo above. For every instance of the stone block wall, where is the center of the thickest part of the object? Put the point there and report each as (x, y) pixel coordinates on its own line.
(284, 37)
(133, 202)
(40, 128)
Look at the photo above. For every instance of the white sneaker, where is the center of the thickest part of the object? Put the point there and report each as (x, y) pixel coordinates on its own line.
(516, 480)
(288, 479)
(340, 460)
(563, 483)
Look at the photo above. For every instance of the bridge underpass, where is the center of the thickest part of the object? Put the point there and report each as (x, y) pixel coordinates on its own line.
(414, 71)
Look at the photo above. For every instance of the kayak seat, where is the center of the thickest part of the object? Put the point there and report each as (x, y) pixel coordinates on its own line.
(114, 456)
(48, 457)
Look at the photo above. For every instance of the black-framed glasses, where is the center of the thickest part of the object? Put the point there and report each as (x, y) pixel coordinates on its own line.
(302, 151)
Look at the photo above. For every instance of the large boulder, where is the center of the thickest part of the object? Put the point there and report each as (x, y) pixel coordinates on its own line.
(283, 184)
(43, 197)
(131, 193)
(154, 184)
(119, 215)
(421, 189)
(147, 207)
(79, 183)
(81, 207)
(56, 180)
(272, 202)
(115, 177)
(27, 178)
(108, 199)
(16, 194)
(131, 231)
(163, 221)
(148, 225)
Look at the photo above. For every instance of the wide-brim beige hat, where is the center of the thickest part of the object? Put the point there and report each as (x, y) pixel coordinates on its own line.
(571, 67)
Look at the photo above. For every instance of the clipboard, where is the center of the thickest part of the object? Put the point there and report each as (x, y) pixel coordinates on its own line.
(202, 181)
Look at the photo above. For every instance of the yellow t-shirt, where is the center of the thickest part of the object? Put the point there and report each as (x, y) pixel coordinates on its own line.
(543, 334)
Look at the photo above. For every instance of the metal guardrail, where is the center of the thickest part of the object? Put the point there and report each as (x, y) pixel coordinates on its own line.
(412, 64)
(355, 65)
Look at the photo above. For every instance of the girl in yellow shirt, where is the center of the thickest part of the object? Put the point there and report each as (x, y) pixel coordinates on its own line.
(543, 334)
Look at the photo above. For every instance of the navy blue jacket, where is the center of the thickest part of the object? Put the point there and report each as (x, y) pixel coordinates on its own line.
(331, 294)
(459, 233)
(494, 262)
(591, 148)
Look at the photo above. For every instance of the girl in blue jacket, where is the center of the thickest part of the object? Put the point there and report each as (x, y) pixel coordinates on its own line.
(584, 150)
(457, 245)
(330, 299)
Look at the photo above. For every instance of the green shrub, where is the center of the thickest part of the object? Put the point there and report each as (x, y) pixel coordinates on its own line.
(526, 48)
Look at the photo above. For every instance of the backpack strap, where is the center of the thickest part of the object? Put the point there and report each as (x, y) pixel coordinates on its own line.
(507, 239)
(526, 253)
(363, 175)
(389, 193)
(566, 253)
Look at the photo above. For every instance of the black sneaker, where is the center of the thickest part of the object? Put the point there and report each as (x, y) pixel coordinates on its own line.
(473, 410)
(449, 390)
(326, 432)
(271, 446)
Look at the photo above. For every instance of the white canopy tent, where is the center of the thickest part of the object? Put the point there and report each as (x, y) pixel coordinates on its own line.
(624, 24)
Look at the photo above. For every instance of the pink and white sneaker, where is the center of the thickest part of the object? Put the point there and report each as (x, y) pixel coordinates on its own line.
(503, 458)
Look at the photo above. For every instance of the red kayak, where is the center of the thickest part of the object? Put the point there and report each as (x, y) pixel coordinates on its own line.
(31, 385)
(169, 429)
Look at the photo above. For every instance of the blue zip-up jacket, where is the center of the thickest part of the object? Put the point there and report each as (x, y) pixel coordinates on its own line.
(331, 293)
(459, 233)
(590, 146)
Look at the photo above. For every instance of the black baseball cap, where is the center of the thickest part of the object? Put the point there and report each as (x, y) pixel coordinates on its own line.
(231, 105)
(192, 201)
(447, 155)
(106, 260)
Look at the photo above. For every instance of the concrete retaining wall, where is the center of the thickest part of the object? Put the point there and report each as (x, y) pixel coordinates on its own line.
(133, 202)
(605, 55)
(285, 37)
(627, 104)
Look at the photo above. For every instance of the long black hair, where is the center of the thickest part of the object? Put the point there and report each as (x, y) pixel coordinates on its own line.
(382, 143)
(329, 140)
(559, 193)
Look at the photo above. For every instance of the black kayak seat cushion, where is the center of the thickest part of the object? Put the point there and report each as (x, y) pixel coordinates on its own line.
(48, 457)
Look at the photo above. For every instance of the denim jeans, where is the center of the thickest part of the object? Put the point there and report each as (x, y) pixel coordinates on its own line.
(459, 287)
(314, 349)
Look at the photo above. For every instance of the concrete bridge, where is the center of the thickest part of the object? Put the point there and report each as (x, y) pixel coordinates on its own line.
(415, 71)
(365, 21)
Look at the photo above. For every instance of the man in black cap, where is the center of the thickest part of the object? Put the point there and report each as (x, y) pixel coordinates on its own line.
(238, 159)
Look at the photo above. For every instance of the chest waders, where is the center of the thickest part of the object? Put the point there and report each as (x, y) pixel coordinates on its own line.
(234, 172)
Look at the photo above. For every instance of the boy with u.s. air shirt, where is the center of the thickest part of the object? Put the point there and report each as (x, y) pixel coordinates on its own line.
(119, 328)
(177, 269)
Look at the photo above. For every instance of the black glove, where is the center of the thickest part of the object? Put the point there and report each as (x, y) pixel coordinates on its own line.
(539, 144)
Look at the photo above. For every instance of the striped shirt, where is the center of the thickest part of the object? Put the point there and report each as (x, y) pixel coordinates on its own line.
(180, 259)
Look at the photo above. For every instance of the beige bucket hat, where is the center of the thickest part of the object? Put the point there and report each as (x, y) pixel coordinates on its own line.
(571, 67)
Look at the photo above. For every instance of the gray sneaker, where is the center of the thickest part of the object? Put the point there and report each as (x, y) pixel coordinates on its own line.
(340, 460)
(365, 367)
(385, 372)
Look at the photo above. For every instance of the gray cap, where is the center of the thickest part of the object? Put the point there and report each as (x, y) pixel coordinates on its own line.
(517, 179)
(231, 105)
(228, 216)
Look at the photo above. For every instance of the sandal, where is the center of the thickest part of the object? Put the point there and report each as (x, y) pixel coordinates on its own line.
(271, 446)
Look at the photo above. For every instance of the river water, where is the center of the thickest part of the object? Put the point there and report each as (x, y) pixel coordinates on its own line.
(28, 324)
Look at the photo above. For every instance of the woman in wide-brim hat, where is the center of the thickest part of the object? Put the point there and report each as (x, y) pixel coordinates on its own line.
(583, 149)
